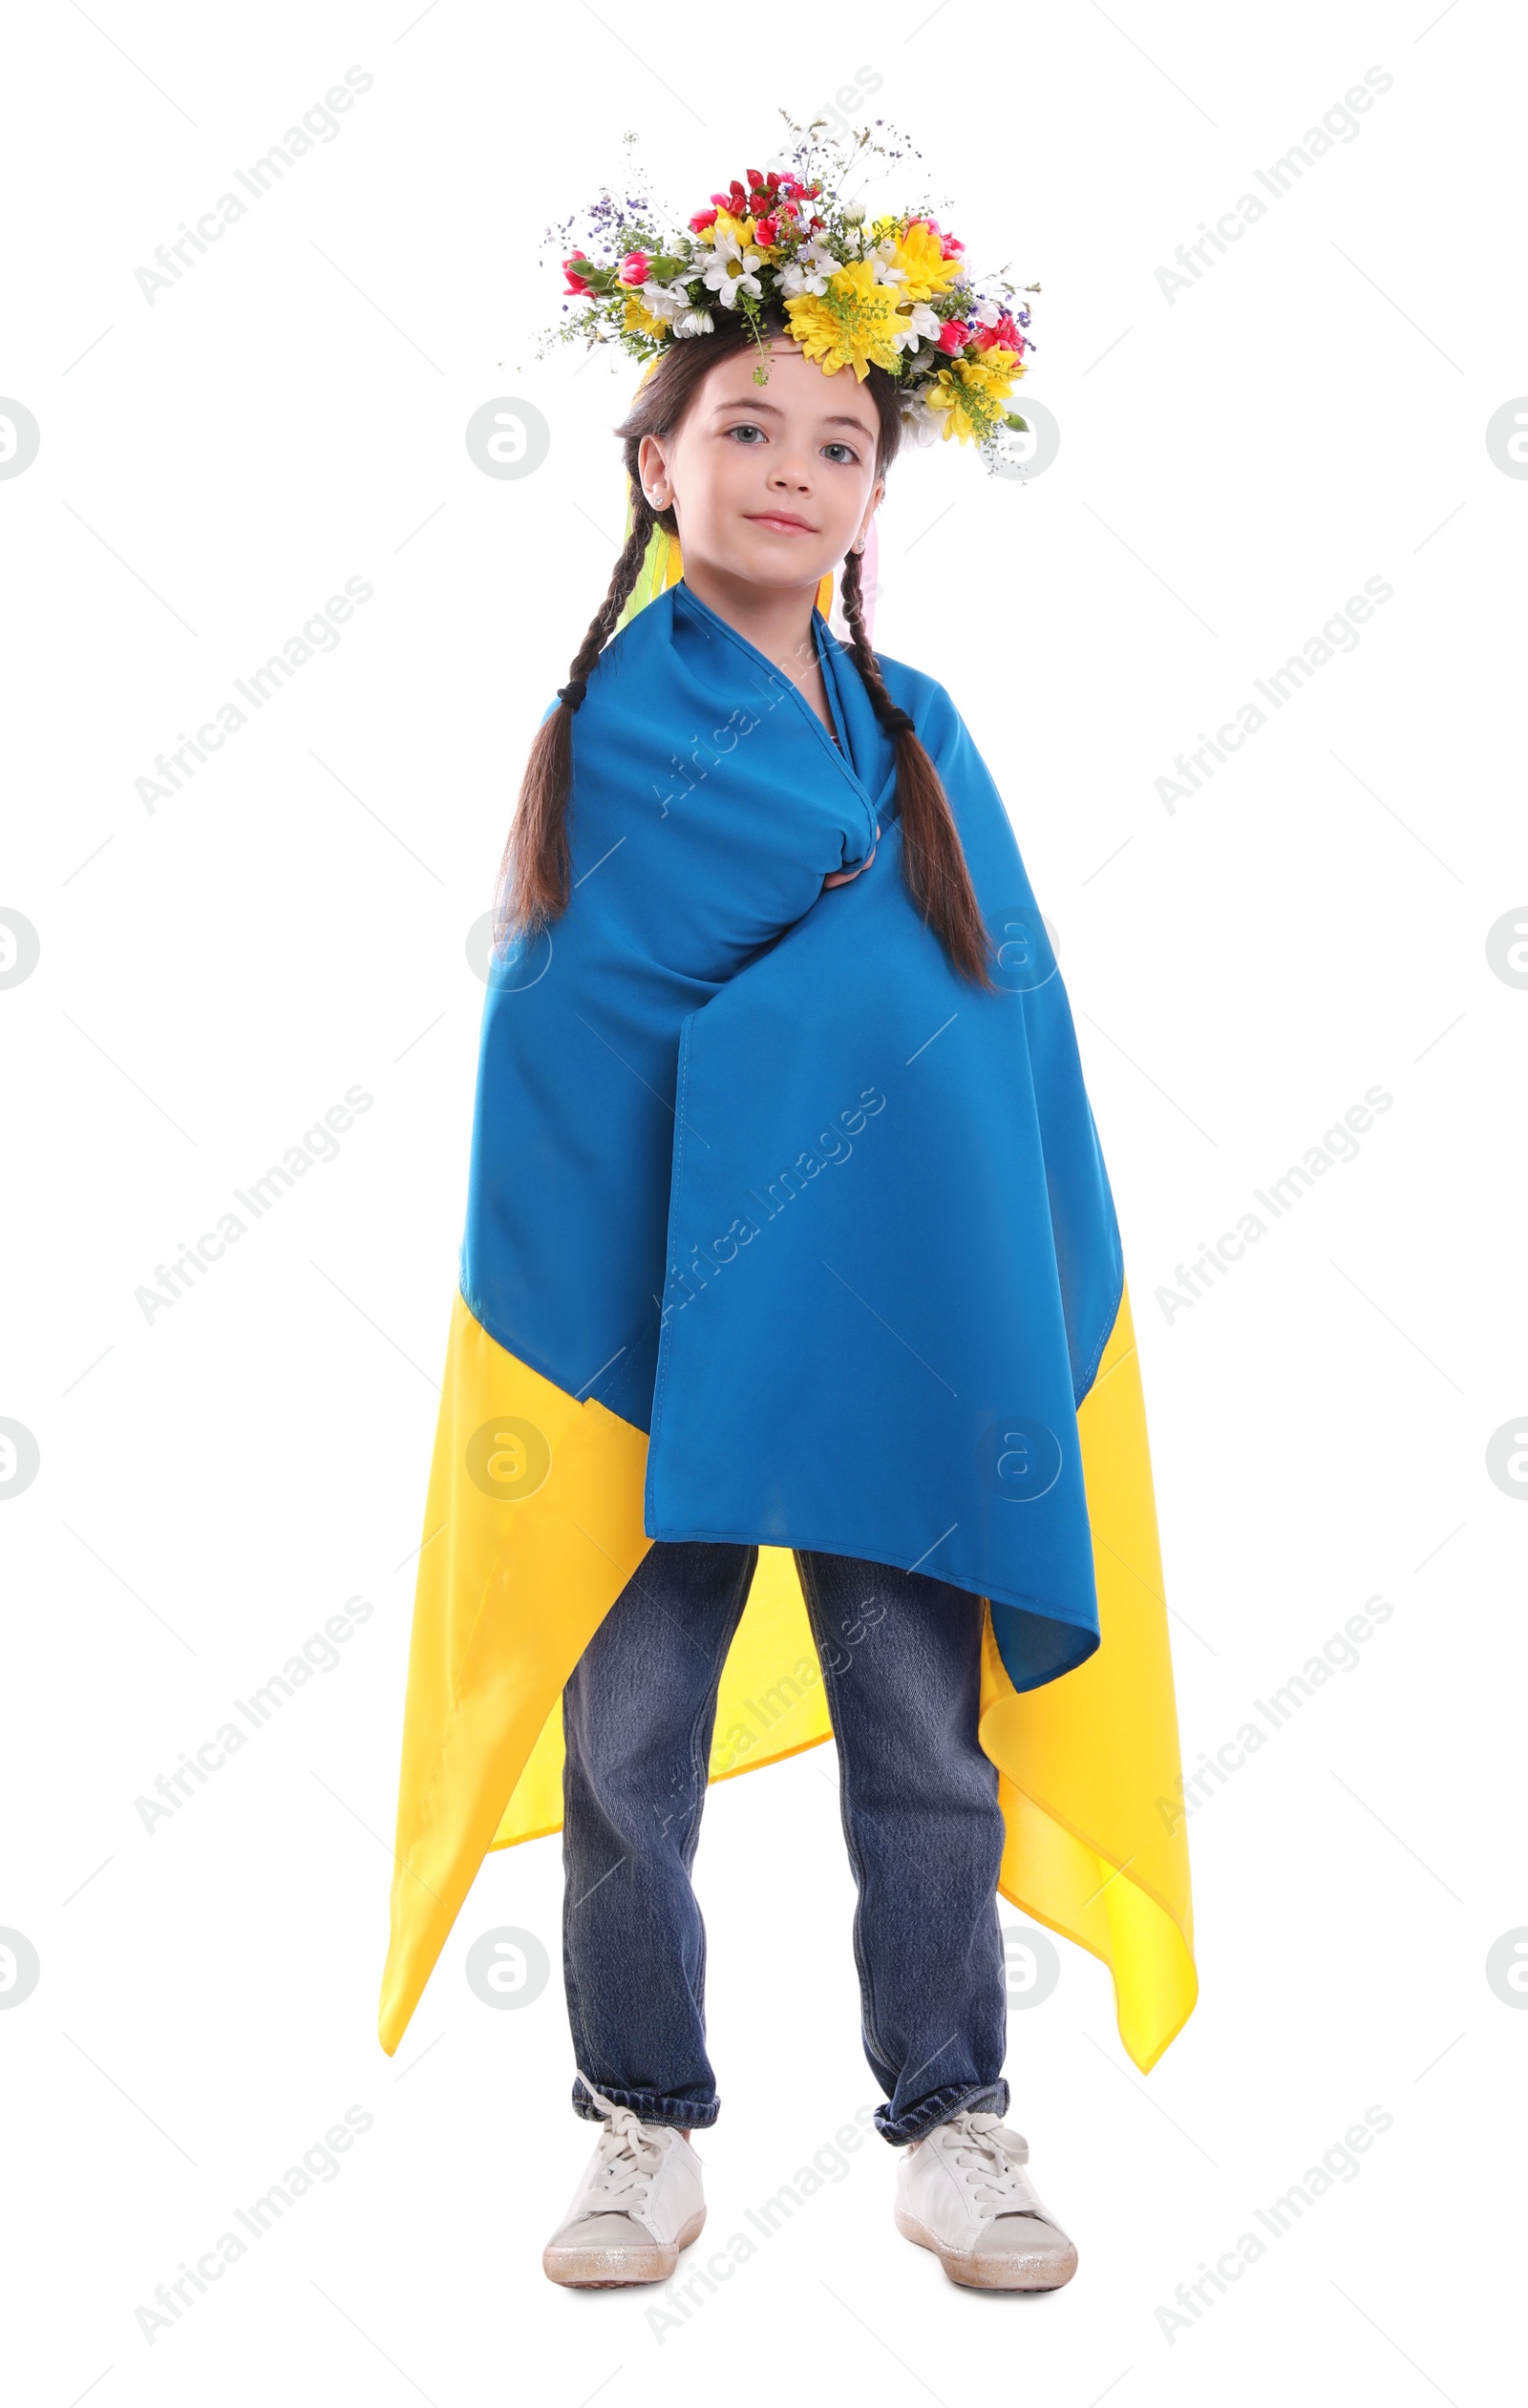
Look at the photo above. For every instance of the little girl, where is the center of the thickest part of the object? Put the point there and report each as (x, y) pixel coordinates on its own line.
(883, 1417)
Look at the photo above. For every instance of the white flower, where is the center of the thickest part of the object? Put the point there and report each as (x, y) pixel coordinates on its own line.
(882, 261)
(927, 426)
(729, 273)
(914, 324)
(664, 301)
(809, 272)
(695, 322)
(987, 313)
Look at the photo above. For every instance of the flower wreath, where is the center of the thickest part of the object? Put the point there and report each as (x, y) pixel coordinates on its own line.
(855, 289)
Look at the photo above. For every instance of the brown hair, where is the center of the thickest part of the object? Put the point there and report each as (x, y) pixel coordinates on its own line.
(535, 874)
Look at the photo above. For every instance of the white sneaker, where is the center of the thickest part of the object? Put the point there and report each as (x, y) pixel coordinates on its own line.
(962, 2192)
(638, 2205)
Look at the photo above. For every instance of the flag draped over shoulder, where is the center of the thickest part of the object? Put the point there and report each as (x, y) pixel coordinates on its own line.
(780, 1232)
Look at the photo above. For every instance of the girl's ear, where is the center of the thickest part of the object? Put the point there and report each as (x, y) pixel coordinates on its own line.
(651, 473)
(875, 505)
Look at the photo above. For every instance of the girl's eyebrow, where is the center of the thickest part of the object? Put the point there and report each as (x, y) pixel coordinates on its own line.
(767, 409)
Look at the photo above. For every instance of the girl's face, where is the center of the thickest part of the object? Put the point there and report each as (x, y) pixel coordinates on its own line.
(770, 484)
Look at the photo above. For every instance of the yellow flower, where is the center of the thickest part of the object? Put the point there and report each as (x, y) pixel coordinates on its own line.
(638, 319)
(988, 381)
(741, 230)
(849, 326)
(918, 254)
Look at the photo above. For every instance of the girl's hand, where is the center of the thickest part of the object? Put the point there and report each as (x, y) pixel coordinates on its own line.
(841, 878)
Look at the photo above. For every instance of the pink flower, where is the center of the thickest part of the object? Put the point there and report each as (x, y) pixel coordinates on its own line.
(953, 335)
(635, 270)
(767, 231)
(575, 282)
(701, 219)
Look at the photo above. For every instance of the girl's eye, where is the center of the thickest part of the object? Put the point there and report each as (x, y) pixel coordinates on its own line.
(746, 428)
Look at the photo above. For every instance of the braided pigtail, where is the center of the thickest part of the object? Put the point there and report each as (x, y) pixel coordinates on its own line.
(536, 872)
(933, 858)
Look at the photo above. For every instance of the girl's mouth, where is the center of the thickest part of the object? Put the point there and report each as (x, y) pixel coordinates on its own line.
(778, 522)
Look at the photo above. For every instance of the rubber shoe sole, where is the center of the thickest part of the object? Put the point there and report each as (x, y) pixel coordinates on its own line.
(997, 2270)
(609, 2270)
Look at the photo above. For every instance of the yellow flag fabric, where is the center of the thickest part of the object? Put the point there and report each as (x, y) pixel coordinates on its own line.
(534, 1526)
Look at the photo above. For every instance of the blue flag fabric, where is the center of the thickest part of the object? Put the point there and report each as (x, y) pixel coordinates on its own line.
(756, 1170)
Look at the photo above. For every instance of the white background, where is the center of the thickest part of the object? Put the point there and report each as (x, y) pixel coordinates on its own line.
(1235, 463)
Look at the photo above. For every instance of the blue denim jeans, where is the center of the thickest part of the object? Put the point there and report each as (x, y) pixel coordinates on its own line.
(901, 1657)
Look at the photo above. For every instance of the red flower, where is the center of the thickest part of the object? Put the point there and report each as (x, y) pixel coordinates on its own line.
(575, 283)
(953, 335)
(701, 219)
(767, 231)
(635, 270)
(1004, 336)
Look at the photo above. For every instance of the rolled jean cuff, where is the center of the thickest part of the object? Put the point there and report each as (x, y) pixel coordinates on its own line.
(651, 2106)
(986, 2098)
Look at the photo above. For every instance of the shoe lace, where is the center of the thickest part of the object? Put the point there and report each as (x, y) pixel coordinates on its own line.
(990, 2159)
(627, 2161)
